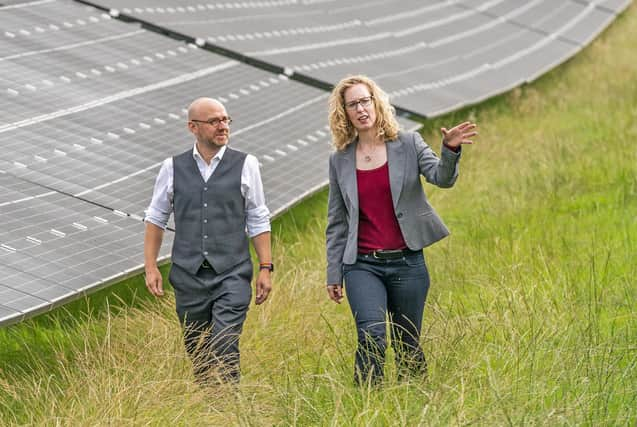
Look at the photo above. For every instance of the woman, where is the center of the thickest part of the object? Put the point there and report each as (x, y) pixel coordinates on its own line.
(379, 220)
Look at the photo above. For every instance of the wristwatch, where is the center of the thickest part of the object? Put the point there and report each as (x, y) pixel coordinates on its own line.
(266, 266)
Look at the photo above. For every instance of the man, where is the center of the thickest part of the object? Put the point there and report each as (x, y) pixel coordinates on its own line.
(216, 194)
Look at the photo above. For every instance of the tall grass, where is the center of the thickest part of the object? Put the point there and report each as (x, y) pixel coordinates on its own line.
(530, 318)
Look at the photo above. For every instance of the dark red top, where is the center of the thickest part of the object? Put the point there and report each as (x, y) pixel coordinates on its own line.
(377, 224)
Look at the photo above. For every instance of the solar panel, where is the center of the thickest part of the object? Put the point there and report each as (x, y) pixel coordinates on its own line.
(91, 105)
(616, 6)
(575, 22)
(81, 153)
(56, 247)
(7, 4)
(432, 56)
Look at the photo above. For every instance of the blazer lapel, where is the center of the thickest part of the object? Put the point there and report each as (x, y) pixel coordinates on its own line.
(349, 174)
(396, 163)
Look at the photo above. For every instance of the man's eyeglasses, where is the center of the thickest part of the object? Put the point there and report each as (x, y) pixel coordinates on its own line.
(215, 122)
(364, 102)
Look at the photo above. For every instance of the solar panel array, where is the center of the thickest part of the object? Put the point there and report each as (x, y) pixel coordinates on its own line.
(55, 247)
(90, 106)
(432, 56)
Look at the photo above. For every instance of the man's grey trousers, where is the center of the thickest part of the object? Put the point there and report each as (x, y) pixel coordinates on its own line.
(212, 308)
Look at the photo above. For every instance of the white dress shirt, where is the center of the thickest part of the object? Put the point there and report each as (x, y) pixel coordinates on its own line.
(257, 213)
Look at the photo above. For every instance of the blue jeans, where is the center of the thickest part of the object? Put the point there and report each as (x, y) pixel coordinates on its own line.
(395, 287)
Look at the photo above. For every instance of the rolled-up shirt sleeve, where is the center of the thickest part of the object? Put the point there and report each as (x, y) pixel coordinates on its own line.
(257, 213)
(161, 205)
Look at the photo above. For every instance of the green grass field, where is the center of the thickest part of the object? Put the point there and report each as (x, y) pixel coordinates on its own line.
(531, 318)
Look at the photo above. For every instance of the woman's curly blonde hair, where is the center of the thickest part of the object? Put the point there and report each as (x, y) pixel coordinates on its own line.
(343, 131)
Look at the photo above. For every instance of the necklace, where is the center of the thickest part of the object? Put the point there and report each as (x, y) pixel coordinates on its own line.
(368, 157)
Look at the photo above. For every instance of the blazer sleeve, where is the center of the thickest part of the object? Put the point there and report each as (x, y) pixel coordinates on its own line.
(442, 171)
(337, 227)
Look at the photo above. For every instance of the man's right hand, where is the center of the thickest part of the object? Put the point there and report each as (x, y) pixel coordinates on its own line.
(154, 281)
(335, 292)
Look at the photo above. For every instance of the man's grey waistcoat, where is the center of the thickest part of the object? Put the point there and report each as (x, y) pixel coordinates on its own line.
(408, 157)
(210, 218)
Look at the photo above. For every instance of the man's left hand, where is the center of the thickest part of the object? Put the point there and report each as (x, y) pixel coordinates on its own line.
(263, 286)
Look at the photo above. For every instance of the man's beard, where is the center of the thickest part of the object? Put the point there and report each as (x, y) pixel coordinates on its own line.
(211, 142)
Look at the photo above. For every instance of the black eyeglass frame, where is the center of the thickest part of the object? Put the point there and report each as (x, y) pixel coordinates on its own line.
(215, 122)
(352, 105)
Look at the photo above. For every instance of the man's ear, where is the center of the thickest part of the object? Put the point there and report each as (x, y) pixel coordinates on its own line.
(191, 126)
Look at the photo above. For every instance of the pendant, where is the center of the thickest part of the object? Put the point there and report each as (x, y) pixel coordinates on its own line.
(368, 158)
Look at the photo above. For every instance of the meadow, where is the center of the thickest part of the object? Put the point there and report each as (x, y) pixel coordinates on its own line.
(531, 318)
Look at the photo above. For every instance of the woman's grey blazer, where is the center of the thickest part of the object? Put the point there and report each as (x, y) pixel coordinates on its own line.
(408, 157)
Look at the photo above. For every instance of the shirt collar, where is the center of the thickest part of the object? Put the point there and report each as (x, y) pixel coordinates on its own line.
(218, 156)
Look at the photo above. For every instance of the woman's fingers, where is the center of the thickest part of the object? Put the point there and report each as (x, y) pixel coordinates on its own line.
(335, 293)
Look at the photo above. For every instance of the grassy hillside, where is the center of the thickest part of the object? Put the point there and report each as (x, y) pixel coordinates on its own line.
(531, 317)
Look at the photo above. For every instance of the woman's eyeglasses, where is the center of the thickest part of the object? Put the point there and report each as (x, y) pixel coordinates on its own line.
(364, 102)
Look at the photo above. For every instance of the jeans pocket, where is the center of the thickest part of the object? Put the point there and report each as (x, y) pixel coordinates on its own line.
(171, 275)
(348, 268)
(415, 260)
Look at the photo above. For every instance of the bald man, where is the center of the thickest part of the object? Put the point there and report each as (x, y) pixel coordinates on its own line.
(216, 196)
